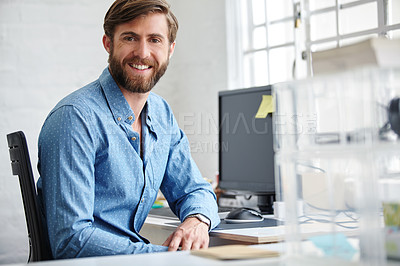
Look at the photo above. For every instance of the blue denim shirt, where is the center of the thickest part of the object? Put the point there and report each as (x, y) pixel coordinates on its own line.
(94, 187)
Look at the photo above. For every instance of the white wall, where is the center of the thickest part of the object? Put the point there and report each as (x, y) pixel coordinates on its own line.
(198, 70)
(50, 48)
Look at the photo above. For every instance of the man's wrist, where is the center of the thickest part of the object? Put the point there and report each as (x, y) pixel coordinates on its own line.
(201, 218)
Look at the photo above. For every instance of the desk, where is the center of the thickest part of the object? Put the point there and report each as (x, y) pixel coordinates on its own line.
(184, 258)
(180, 258)
(158, 228)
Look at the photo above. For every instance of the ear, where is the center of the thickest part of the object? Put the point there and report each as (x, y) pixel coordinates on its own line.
(107, 43)
(171, 49)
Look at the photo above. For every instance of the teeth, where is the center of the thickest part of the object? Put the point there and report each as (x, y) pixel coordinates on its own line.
(140, 67)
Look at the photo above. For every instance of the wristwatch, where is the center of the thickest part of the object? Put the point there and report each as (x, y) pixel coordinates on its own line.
(201, 218)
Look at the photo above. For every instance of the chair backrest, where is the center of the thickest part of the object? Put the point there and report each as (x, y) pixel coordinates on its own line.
(21, 166)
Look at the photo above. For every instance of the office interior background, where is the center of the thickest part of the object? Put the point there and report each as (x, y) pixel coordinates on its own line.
(49, 48)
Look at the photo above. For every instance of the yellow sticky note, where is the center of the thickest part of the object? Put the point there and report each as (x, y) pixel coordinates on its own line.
(266, 107)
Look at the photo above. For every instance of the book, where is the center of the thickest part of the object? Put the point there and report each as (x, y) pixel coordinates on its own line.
(380, 52)
(235, 252)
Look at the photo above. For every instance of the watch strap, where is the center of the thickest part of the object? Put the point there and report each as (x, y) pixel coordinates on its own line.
(201, 218)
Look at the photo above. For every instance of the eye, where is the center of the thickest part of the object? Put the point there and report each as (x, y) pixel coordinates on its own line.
(155, 40)
(129, 38)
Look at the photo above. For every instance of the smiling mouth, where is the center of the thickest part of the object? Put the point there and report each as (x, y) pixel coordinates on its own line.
(140, 67)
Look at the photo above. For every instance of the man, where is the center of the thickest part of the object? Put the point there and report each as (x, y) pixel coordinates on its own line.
(107, 149)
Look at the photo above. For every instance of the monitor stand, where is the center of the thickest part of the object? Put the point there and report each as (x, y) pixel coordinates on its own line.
(262, 201)
(265, 203)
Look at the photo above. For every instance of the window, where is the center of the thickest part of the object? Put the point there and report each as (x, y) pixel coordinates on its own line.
(270, 41)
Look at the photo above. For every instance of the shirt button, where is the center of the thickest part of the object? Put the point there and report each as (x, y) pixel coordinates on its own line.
(133, 138)
(119, 118)
(130, 118)
(142, 200)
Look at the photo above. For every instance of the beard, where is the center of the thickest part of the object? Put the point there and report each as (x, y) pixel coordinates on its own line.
(137, 83)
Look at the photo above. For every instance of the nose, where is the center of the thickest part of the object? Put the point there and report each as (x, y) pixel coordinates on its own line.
(143, 49)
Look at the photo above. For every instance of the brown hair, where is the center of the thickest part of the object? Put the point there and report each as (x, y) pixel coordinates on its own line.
(122, 11)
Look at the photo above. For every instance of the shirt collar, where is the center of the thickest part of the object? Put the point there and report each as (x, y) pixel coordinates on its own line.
(119, 107)
(149, 114)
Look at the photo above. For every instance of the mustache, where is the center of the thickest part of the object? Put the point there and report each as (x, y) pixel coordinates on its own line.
(140, 61)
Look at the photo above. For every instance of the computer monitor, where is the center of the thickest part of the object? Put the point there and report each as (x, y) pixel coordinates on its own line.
(246, 155)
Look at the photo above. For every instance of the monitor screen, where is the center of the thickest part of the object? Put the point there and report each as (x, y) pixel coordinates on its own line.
(246, 155)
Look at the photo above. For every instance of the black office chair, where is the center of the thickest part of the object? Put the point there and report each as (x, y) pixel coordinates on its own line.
(21, 165)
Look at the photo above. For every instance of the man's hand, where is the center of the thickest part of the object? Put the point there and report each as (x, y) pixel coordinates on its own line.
(191, 234)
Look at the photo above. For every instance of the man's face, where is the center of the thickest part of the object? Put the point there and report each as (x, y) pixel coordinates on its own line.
(139, 52)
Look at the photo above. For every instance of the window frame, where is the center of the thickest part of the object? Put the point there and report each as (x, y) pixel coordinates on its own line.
(302, 44)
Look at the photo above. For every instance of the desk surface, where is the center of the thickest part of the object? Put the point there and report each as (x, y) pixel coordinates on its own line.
(184, 258)
(180, 258)
(163, 226)
(257, 235)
